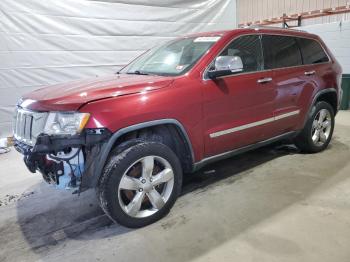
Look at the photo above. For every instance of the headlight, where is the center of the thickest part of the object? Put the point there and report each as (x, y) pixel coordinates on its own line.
(65, 123)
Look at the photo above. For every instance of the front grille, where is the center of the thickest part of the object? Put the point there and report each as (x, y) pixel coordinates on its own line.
(28, 125)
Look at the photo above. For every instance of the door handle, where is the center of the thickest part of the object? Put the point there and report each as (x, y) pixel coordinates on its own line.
(264, 80)
(309, 73)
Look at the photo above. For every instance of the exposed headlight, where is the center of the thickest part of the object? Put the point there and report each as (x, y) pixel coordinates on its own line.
(65, 123)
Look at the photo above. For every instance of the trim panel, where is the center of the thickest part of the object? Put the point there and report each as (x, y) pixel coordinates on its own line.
(241, 150)
(292, 113)
(253, 124)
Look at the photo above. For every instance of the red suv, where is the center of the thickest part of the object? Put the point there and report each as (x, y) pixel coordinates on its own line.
(176, 108)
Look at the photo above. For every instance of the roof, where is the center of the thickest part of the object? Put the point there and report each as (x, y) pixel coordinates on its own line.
(255, 28)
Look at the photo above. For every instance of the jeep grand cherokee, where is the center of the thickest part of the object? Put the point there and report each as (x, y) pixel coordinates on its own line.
(176, 108)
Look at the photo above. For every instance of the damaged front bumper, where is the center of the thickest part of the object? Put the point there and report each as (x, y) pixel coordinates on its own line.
(66, 161)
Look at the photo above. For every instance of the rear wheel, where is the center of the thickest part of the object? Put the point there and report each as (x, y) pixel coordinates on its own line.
(318, 130)
(140, 184)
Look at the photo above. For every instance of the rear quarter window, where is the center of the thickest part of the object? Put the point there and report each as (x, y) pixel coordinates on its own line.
(312, 51)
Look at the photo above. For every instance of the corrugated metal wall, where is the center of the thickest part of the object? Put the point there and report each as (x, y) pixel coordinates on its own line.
(255, 10)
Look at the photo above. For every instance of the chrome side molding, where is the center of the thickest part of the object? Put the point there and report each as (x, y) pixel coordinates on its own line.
(253, 124)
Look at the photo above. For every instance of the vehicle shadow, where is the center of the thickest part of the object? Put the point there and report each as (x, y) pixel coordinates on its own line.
(51, 216)
(235, 165)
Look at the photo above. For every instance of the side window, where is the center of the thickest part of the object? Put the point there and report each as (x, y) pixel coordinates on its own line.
(312, 51)
(280, 51)
(248, 48)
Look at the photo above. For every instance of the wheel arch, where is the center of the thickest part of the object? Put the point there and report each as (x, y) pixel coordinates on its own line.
(113, 141)
(328, 95)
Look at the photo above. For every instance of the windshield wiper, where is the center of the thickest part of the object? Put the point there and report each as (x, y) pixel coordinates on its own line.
(137, 72)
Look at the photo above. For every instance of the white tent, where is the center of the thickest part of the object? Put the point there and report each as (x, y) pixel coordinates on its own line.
(52, 41)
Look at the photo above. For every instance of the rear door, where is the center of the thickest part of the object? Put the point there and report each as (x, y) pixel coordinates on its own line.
(238, 108)
(318, 71)
(282, 55)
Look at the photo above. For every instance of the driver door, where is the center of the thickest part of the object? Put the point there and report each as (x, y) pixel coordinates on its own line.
(238, 107)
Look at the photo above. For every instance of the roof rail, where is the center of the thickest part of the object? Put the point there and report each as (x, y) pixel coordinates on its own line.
(270, 27)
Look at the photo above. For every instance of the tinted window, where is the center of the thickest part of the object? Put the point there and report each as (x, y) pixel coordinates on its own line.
(280, 51)
(248, 48)
(312, 51)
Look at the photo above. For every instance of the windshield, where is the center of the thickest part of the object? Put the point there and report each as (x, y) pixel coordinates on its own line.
(173, 58)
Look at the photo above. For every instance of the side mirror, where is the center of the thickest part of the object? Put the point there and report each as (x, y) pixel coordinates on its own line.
(226, 65)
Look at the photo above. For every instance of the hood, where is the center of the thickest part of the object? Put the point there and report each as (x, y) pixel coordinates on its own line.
(71, 96)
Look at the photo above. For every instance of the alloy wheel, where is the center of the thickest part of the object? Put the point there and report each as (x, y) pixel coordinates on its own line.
(321, 127)
(146, 186)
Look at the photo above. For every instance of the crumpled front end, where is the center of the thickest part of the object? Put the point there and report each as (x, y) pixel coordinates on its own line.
(66, 161)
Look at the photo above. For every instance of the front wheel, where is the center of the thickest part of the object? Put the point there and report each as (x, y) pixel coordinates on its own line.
(140, 185)
(318, 130)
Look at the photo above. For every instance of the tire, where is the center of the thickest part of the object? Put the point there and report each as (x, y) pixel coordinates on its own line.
(309, 140)
(128, 185)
